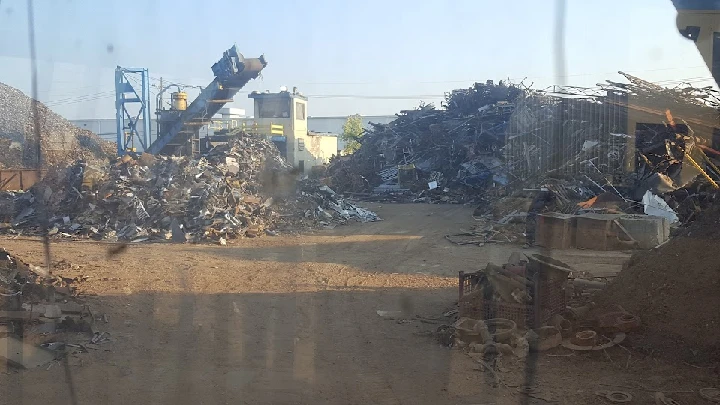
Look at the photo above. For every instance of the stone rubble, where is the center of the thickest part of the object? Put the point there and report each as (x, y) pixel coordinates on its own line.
(62, 142)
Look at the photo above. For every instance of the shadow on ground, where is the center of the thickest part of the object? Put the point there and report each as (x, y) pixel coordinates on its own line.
(319, 347)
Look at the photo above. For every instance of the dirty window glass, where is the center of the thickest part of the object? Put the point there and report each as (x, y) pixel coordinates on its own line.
(273, 108)
(300, 111)
(397, 202)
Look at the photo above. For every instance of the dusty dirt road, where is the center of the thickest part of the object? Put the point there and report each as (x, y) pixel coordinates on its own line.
(292, 320)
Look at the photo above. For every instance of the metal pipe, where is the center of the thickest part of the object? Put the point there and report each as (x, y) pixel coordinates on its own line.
(162, 91)
(146, 109)
(119, 123)
(709, 150)
(158, 103)
(702, 172)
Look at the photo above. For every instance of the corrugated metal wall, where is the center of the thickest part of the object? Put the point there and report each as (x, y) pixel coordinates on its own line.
(563, 135)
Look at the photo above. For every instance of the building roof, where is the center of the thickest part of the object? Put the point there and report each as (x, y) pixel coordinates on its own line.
(343, 117)
(697, 4)
(282, 94)
(313, 133)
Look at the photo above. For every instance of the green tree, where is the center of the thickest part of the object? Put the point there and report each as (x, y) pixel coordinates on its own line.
(352, 133)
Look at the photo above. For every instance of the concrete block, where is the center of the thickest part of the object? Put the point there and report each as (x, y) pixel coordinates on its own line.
(649, 231)
(597, 232)
(72, 308)
(555, 230)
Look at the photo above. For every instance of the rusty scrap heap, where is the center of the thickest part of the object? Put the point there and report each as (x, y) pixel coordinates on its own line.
(42, 316)
(493, 140)
(533, 303)
(459, 147)
(241, 189)
(626, 139)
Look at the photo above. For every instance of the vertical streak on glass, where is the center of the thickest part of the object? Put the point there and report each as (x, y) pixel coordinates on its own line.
(36, 130)
(560, 63)
(36, 126)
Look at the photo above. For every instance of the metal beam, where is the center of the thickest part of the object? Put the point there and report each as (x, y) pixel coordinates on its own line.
(127, 130)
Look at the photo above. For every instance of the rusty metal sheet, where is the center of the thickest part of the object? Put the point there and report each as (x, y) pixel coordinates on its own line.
(19, 179)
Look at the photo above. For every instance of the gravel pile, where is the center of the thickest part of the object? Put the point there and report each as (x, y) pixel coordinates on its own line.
(62, 142)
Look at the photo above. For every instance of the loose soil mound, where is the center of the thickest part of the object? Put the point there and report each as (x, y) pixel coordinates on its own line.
(707, 225)
(676, 292)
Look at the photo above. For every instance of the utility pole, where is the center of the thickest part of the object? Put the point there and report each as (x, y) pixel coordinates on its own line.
(159, 107)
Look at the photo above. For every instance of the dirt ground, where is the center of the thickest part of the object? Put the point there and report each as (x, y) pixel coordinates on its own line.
(292, 320)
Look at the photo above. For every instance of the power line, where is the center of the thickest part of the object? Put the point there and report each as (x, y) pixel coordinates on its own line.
(64, 93)
(108, 93)
(90, 97)
(80, 98)
(612, 73)
(511, 78)
(135, 81)
(375, 97)
(169, 82)
(688, 80)
(182, 84)
(85, 100)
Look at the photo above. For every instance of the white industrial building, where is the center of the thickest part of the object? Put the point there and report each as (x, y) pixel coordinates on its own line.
(105, 127)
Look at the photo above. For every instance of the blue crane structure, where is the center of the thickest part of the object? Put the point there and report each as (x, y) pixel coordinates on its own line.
(179, 127)
(127, 124)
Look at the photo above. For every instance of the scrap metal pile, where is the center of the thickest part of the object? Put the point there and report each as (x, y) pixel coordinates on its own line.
(62, 142)
(457, 150)
(42, 318)
(240, 189)
(635, 135)
(649, 146)
(533, 303)
(491, 142)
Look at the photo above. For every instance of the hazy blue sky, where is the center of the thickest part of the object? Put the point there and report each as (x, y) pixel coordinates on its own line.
(387, 55)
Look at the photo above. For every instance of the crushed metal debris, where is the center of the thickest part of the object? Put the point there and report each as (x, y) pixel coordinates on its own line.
(493, 143)
(532, 303)
(240, 189)
(41, 315)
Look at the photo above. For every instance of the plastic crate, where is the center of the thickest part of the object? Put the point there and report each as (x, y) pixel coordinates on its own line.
(552, 299)
(549, 299)
(480, 308)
